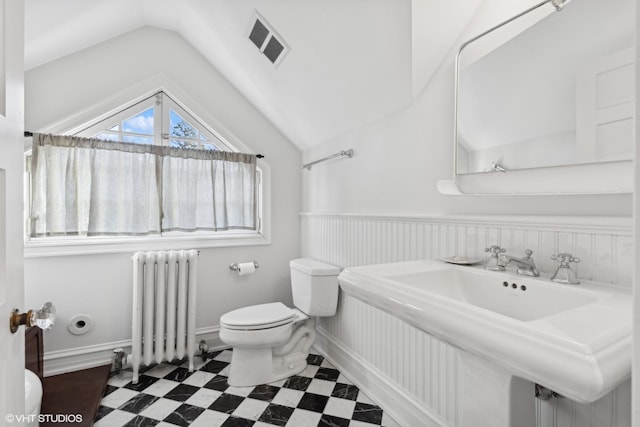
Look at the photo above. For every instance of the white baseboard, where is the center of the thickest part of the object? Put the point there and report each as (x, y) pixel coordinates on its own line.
(76, 359)
(400, 406)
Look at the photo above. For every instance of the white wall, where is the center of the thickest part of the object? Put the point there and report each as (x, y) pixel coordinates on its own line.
(100, 285)
(398, 159)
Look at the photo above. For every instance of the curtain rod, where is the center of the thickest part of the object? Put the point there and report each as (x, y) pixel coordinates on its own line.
(28, 134)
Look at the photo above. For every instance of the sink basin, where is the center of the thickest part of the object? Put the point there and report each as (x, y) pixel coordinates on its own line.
(572, 339)
(515, 298)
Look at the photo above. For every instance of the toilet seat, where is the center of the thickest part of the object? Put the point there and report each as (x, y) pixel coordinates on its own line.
(261, 316)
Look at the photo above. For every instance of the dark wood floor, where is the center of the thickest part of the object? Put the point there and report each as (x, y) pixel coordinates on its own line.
(74, 393)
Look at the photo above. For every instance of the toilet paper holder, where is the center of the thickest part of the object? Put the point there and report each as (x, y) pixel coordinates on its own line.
(236, 267)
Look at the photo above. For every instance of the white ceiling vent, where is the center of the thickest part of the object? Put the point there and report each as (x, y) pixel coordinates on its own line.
(266, 40)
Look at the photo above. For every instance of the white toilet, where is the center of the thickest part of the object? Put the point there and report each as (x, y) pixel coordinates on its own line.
(32, 398)
(272, 341)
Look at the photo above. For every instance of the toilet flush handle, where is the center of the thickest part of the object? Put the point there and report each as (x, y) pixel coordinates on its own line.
(44, 318)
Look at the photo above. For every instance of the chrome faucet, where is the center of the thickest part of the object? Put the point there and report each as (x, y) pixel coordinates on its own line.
(525, 266)
(564, 274)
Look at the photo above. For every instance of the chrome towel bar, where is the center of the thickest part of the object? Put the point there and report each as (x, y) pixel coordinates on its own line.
(348, 153)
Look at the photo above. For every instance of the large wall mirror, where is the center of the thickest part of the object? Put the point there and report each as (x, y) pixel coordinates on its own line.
(548, 92)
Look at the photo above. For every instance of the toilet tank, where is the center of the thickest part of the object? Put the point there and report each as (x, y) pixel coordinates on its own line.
(314, 285)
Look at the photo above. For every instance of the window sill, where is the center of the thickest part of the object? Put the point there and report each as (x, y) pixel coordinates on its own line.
(103, 245)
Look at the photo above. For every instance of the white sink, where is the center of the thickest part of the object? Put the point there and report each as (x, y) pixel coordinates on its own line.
(517, 298)
(573, 339)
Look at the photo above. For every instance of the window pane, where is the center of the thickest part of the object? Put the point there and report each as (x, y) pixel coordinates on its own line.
(182, 143)
(203, 138)
(141, 123)
(137, 139)
(107, 136)
(180, 127)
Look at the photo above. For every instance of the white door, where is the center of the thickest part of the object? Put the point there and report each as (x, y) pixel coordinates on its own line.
(605, 108)
(11, 205)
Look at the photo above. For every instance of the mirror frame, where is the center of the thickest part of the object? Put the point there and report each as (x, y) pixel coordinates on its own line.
(592, 178)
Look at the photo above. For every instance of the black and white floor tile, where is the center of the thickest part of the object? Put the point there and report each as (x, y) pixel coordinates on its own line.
(169, 395)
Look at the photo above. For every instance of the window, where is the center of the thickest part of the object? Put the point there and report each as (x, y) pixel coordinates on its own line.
(157, 120)
(160, 120)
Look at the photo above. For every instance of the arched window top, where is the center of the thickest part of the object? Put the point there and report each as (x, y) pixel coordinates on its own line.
(158, 120)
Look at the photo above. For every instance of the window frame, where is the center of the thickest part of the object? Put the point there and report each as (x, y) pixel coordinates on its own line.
(74, 245)
(127, 112)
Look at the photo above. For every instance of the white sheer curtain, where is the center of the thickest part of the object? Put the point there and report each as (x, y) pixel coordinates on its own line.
(212, 190)
(92, 187)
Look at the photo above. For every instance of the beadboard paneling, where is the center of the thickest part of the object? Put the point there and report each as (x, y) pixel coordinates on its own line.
(613, 410)
(425, 367)
(604, 245)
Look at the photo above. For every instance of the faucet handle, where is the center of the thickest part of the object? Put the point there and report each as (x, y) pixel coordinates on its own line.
(528, 253)
(495, 250)
(565, 258)
(494, 262)
(564, 274)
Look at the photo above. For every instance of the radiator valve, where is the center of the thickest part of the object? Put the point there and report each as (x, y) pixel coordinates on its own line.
(120, 359)
(204, 349)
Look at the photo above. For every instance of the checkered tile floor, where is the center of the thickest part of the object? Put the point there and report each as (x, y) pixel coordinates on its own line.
(168, 395)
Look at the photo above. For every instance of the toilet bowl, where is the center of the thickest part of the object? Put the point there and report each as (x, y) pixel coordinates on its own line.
(272, 341)
(32, 398)
(263, 346)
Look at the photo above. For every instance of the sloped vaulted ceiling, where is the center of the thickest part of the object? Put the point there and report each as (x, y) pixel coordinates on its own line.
(350, 62)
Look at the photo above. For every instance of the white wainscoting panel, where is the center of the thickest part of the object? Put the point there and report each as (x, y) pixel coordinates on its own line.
(424, 368)
(613, 410)
(604, 244)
